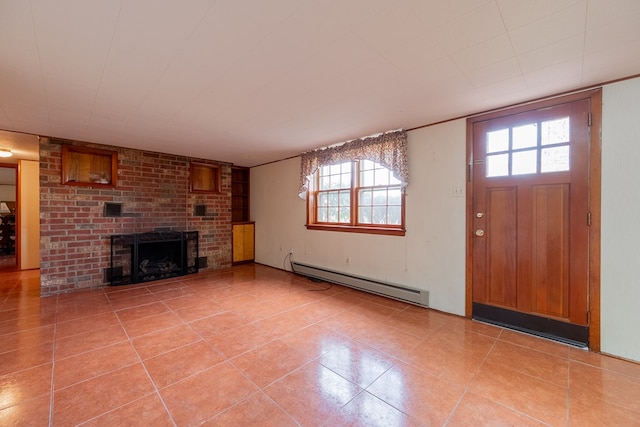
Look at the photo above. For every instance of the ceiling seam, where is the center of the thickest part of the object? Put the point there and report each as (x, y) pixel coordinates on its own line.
(104, 66)
(44, 85)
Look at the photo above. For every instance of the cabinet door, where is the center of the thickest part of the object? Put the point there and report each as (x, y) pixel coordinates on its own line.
(243, 243)
(249, 230)
(238, 243)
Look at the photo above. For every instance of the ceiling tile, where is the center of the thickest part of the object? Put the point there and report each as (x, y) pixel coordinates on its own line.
(17, 38)
(518, 13)
(495, 73)
(437, 13)
(352, 13)
(551, 54)
(4, 120)
(551, 29)
(400, 24)
(553, 79)
(470, 29)
(612, 64)
(417, 53)
(442, 72)
(139, 55)
(621, 31)
(607, 12)
(74, 37)
(484, 54)
(505, 92)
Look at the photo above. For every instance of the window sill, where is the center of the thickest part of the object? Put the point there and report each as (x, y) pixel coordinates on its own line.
(358, 229)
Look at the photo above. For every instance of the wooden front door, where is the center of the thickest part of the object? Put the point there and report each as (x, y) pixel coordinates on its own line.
(530, 220)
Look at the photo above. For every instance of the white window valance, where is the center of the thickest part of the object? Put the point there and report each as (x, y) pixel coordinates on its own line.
(388, 149)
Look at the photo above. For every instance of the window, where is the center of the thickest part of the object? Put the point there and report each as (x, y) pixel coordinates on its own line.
(360, 196)
(537, 147)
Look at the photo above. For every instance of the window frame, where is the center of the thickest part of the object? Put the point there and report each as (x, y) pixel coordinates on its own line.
(354, 226)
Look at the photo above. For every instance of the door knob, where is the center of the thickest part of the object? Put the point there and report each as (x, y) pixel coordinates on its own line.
(479, 232)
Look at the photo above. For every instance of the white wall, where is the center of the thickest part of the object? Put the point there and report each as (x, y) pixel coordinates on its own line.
(620, 258)
(432, 254)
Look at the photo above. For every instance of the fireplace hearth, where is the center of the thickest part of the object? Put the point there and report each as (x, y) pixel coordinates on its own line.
(155, 255)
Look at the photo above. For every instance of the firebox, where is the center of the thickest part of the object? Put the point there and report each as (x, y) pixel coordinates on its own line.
(154, 255)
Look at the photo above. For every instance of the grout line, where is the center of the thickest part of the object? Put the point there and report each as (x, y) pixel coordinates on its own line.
(153, 383)
(53, 363)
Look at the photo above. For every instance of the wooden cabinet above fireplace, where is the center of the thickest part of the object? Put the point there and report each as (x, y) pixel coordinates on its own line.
(89, 167)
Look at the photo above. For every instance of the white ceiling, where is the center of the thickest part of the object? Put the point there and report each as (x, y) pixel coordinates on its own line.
(255, 81)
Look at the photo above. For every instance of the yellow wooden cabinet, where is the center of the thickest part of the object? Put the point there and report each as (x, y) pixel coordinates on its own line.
(243, 242)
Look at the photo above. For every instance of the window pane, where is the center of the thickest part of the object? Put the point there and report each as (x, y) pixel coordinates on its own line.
(525, 136)
(380, 197)
(379, 214)
(498, 165)
(395, 196)
(395, 215)
(524, 162)
(366, 178)
(555, 131)
(322, 215)
(555, 159)
(367, 165)
(322, 199)
(333, 198)
(335, 176)
(365, 197)
(498, 140)
(364, 215)
(332, 214)
(345, 198)
(345, 215)
(345, 180)
(324, 183)
(382, 177)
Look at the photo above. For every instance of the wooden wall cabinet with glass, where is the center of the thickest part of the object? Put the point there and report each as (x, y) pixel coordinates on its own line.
(90, 167)
(239, 194)
(204, 178)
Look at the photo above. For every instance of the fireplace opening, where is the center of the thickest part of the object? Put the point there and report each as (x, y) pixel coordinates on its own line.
(152, 256)
(159, 260)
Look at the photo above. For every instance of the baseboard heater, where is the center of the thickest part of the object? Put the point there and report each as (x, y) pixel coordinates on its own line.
(391, 290)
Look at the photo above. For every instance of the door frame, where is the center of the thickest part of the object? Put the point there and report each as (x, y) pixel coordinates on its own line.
(594, 191)
(14, 166)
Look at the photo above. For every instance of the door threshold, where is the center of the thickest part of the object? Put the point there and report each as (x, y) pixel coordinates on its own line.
(566, 333)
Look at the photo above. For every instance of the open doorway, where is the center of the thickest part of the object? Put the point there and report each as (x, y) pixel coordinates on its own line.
(19, 191)
(8, 208)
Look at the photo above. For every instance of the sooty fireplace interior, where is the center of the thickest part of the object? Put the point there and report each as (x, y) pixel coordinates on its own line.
(152, 256)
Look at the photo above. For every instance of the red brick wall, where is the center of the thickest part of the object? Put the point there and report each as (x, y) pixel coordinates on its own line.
(154, 191)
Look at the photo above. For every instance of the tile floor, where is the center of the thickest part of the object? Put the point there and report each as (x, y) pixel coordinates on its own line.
(256, 346)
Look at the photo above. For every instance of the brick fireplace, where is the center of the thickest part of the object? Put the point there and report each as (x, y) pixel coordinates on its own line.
(153, 191)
